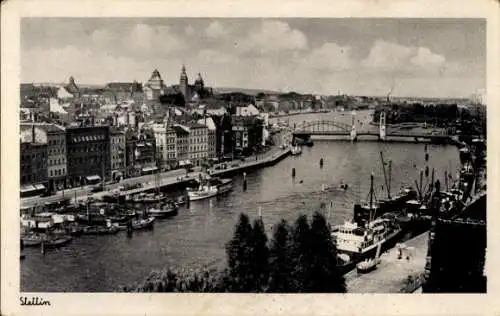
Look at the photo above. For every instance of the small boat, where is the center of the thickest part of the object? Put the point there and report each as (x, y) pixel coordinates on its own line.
(100, 230)
(148, 198)
(296, 150)
(370, 264)
(210, 187)
(32, 240)
(164, 212)
(57, 241)
(143, 223)
(181, 200)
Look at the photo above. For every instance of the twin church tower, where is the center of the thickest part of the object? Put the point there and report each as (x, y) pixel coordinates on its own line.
(156, 87)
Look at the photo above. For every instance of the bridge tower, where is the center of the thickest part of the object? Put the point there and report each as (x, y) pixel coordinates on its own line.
(382, 131)
(353, 127)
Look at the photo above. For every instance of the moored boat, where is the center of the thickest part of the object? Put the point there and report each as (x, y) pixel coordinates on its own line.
(100, 230)
(369, 264)
(32, 240)
(296, 150)
(167, 210)
(57, 241)
(149, 198)
(359, 239)
(143, 223)
(210, 187)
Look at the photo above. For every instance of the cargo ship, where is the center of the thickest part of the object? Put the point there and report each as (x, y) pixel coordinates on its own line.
(359, 239)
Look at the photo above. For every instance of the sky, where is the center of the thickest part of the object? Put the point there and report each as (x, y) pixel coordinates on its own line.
(403, 57)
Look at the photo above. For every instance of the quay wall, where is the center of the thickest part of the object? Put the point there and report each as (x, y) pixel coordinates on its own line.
(183, 182)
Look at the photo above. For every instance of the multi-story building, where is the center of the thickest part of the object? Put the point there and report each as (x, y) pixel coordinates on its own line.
(56, 152)
(211, 136)
(33, 162)
(88, 154)
(247, 134)
(130, 145)
(182, 144)
(198, 143)
(165, 137)
(140, 152)
(171, 161)
(223, 135)
(117, 153)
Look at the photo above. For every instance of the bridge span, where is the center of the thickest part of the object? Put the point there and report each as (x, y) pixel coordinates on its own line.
(382, 131)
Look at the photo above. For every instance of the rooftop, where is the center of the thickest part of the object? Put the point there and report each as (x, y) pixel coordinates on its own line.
(195, 125)
(47, 127)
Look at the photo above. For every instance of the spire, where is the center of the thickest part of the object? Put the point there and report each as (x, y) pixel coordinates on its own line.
(183, 71)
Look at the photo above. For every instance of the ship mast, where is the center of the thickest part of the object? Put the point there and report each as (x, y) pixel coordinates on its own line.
(372, 215)
(387, 183)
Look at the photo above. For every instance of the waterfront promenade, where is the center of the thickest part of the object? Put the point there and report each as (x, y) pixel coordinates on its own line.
(168, 178)
(392, 273)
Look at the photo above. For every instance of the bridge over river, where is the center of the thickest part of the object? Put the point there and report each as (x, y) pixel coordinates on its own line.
(381, 131)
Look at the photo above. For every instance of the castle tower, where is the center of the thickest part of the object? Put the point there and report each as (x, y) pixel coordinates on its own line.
(183, 84)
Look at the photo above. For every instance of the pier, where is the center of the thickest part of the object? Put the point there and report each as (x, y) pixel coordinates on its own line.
(392, 274)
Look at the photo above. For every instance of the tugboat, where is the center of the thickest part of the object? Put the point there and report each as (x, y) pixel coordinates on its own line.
(209, 187)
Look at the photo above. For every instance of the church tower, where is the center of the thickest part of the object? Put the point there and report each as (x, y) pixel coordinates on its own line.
(183, 84)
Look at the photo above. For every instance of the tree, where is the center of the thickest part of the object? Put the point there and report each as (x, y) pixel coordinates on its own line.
(300, 255)
(280, 268)
(325, 275)
(259, 261)
(239, 255)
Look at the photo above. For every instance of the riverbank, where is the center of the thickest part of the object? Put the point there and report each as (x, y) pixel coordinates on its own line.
(269, 159)
(292, 113)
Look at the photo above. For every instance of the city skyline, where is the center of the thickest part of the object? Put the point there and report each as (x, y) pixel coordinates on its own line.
(424, 57)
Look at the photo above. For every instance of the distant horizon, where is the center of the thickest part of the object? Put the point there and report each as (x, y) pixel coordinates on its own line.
(428, 57)
(261, 90)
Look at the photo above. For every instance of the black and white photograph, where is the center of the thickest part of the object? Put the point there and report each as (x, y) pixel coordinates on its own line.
(251, 155)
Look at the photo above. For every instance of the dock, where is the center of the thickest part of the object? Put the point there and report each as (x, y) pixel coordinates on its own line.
(268, 160)
(392, 274)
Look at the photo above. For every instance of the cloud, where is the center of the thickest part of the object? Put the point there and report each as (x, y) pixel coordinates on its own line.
(330, 56)
(271, 37)
(394, 57)
(146, 39)
(426, 58)
(216, 30)
(389, 56)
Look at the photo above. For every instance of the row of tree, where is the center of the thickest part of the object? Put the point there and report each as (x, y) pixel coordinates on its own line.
(466, 120)
(298, 259)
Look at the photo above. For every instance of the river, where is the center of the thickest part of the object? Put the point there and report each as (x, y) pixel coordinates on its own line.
(197, 236)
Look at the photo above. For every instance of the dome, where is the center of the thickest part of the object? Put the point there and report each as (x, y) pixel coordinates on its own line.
(155, 75)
